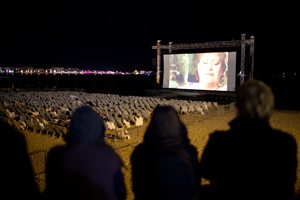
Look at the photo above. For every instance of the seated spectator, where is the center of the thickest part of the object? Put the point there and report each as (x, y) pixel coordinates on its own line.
(85, 168)
(251, 160)
(164, 166)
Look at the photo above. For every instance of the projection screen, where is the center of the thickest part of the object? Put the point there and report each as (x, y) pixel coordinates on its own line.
(200, 71)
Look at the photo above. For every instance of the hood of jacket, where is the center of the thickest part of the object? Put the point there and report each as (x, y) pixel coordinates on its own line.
(86, 127)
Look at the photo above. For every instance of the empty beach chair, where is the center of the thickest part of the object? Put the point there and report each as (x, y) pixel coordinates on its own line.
(184, 109)
(30, 125)
(126, 117)
(110, 125)
(121, 134)
(204, 106)
(198, 109)
(132, 119)
(146, 115)
(63, 130)
(37, 127)
(119, 122)
(215, 104)
(191, 108)
(111, 119)
(139, 121)
(127, 123)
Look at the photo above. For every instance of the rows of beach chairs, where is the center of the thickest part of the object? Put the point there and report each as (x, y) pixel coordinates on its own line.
(50, 112)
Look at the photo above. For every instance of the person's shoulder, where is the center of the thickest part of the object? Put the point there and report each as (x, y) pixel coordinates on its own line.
(111, 153)
(221, 138)
(219, 134)
(55, 155)
(57, 149)
(13, 137)
(141, 152)
(192, 151)
(218, 138)
(283, 136)
(106, 148)
(138, 149)
(192, 147)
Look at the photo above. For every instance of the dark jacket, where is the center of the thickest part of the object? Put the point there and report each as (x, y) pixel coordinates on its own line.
(85, 168)
(250, 161)
(164, 166)
(17, 179)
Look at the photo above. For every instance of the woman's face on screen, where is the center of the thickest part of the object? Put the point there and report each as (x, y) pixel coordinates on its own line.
(210, 69)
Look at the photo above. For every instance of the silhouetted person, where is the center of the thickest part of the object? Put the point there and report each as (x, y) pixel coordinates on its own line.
(17, 180)
(251, 160)
(85, 168)
(164, 166)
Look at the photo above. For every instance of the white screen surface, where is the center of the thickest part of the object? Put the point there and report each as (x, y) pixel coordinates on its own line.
(214, 71)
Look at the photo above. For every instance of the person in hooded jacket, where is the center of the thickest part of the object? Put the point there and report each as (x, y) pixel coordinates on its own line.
(164, 166)
(85, 168)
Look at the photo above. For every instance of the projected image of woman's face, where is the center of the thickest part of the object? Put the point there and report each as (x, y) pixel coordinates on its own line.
(200, 71)
(210, 70)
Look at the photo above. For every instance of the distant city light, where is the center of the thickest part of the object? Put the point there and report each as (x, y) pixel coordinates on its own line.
(56, 70)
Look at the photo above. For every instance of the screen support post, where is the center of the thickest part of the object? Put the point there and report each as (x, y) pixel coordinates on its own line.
(242, 77)
(170, 47)
(158, 62)
(252, 55)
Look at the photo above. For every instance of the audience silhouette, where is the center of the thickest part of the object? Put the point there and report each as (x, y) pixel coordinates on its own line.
(251, 160)
(85, 168)
(17, 176)
(164, 166)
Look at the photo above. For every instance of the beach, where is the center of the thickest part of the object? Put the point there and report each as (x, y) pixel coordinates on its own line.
(199, 128)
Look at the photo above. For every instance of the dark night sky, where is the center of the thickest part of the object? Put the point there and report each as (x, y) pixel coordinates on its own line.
(119, 36)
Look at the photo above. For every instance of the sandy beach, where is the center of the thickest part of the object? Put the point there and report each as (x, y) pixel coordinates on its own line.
(198, 133)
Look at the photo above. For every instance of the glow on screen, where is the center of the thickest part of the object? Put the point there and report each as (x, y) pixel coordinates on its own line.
(200, 71)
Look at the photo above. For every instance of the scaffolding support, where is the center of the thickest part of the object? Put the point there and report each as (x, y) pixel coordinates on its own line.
(158, 62)
(252, 56)
(170, 47)
(222, 44)
(243, 44)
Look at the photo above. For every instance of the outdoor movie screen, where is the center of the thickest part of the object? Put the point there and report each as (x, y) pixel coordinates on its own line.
(200, 71)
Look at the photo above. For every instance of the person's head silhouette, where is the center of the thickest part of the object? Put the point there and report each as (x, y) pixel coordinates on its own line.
(86, 127)
(255, 100)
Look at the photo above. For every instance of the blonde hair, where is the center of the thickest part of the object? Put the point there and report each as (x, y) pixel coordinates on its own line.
(254, 99)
